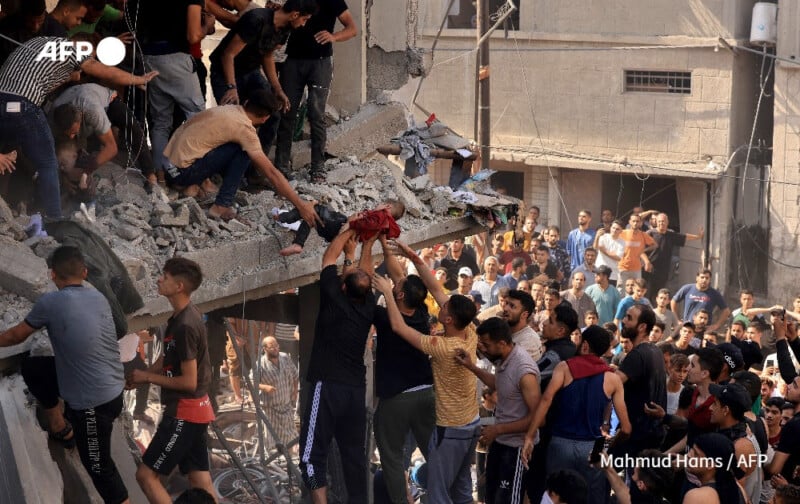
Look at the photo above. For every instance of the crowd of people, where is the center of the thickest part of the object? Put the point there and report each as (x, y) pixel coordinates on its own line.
(569, 364)
(566, 395)
(65, 116)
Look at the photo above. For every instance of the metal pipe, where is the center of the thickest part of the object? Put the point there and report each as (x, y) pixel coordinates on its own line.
(484, 117)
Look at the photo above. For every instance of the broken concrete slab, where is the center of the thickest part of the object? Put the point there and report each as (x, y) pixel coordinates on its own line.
(196, 214)
(360, 135)
(21, 271)
(177, 216)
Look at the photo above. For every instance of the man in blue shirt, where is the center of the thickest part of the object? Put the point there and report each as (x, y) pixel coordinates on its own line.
(700, 295)
(580, 238)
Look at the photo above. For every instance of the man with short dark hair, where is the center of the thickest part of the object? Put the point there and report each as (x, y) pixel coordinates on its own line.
(637, 246)
(518, 308)
(335, 406)
(458, 256)
(577, 297)
(700, 295)
(309, 64)
(645, 379)
(663, 313)
(558, 254)
(243, 62)
(517, 385)
(85, 369)
(542, 269)
(184, 374)
(66, 15)
(580, 238)
(604, 295)
(555, 334)
(515, 273)
(452, 445)
(403, 379)
(224, 140)
(582, 388)
(587, 266)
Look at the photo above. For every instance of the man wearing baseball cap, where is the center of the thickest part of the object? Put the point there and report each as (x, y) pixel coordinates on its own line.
(733, 360)
(465, 281)
(731, 402)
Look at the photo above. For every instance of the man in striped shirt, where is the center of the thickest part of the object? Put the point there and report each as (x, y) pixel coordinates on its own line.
(278, 385)
(24, 84)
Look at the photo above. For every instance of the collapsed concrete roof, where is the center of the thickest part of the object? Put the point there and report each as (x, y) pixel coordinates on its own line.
(240, 258)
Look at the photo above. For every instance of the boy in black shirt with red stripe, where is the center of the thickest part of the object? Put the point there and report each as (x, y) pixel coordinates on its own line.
(184, 375)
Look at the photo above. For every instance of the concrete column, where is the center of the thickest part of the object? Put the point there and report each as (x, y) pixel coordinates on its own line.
(349, 87)
(553, 201)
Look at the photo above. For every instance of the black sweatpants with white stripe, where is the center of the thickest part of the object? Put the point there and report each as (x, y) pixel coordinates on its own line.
(335, 411)
(504, 475)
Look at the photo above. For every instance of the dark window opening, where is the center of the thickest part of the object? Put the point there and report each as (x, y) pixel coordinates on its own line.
(510, 183)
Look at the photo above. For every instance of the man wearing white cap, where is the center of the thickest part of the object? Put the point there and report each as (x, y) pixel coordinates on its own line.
(465, 281)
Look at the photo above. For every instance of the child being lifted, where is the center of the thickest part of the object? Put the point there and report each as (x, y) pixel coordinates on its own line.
(380, 220)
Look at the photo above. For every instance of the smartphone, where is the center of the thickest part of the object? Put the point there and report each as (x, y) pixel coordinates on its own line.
(597, 449)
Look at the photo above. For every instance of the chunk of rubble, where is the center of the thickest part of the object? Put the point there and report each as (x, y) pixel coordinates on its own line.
(177, 216)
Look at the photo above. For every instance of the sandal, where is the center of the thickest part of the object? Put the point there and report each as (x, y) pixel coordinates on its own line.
(61, 437)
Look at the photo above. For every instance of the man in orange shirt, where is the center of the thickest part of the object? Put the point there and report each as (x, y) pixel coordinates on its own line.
(637, 245)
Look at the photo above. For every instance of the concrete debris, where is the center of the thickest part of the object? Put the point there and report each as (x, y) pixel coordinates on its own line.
(176, 216)
(21, 271)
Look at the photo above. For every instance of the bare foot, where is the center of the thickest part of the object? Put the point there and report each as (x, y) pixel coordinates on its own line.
(291, 250)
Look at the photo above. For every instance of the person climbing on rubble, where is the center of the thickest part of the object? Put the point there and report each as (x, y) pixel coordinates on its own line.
(224, 140)
(85, 369)
(366, 224)
(25, 82)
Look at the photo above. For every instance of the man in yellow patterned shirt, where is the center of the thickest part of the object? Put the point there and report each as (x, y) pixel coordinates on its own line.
(453, 442)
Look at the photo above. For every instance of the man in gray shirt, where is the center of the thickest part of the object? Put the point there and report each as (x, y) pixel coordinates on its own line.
(517, 384)
(85, 370)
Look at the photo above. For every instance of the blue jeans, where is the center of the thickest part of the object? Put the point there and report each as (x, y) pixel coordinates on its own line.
(573, 454)
(246, 85)
(27, 131)
(228, 159)
(296, 74)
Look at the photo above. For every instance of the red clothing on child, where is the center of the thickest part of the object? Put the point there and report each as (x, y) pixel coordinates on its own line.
(372, 222)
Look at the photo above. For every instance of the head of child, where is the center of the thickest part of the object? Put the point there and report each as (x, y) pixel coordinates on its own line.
(678, 368)
(396, 208)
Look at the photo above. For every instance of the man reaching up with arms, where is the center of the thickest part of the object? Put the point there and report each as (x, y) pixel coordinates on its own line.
(457, 429)
(184, 374)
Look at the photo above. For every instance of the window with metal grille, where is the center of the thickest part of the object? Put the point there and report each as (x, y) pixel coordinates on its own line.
(658, 82)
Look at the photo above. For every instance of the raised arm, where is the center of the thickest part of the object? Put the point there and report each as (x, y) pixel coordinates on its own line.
(366, 263)
(434, 287)
(414, 338)
(461, 357)
(336, 247)
(699, 236)
(393, 267)
(113, 75)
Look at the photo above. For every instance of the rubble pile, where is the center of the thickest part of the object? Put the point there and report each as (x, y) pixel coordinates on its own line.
(145, 228)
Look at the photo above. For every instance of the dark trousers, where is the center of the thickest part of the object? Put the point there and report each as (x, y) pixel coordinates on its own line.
(332, 224)
(335, 411)
(228, 159)
(92, 427)
(504, 475)
(246, 85)
(296, 75)
(132, 134)
(23, 127)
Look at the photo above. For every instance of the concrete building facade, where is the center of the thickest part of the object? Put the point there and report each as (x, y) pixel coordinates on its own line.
(610, 105)
(784, 201)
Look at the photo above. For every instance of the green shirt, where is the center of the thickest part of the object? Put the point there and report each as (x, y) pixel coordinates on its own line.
(109, 14)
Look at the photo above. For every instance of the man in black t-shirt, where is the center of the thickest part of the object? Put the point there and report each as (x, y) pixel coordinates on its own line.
(309, 63)
(645, 379)
(661, 257)
(184, 375)
(247, 49)
(335, 405)
(787, 454)
(403, 380)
